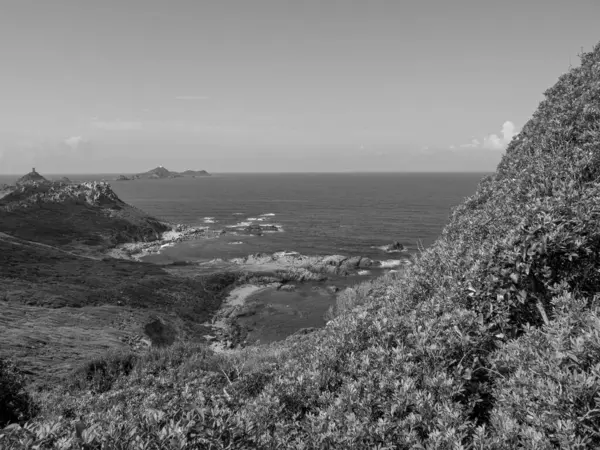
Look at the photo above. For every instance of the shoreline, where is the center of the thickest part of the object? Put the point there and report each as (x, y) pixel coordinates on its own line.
(135, 251)
(223, 339)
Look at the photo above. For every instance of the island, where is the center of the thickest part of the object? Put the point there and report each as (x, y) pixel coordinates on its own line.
(161, 172)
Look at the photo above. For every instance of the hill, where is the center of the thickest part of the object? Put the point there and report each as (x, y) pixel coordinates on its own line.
(491, 340)
(79, 217)
(31, 177)
(63, 301)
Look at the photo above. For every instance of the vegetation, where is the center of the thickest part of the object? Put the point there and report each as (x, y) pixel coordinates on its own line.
(491, 340)
(17, 404)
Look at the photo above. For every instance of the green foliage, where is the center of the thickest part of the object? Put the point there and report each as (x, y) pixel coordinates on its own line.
(491, 340)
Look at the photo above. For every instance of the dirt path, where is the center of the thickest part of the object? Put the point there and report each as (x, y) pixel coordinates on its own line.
(24, 242)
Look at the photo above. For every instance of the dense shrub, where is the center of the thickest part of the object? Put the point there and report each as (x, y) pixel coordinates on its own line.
(16, 405)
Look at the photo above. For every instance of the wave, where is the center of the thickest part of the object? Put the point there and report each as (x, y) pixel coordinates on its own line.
(236, 243)
(365, 272)
(237, 214)
(267, 215)
(209, 220)
(386, 249)
(239, 225)
(389, 263)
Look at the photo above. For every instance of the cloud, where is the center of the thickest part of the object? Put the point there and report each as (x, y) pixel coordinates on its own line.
(473, 144)
(74, 142)
(495, 142)
(191, 97)
(117, 125)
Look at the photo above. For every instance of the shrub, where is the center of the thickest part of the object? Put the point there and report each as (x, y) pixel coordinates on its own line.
(16, 404)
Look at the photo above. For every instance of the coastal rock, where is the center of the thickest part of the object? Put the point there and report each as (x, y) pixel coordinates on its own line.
(124, 178)
(394, 247)
(299, 266)
(258, 230)
(287, 287)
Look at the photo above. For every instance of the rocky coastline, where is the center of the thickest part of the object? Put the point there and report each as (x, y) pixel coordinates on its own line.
(177, 234)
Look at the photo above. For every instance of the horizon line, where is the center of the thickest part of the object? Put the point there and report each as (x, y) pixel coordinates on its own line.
(268, 173)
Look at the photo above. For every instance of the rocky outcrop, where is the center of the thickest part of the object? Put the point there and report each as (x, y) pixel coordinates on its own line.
(124, 178)
(31, 177)
(395, 247)
(33, 193)
(258, 229)
(303, 267)
(85, 215)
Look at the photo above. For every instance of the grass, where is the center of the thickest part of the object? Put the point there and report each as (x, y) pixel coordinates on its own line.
(490, 340)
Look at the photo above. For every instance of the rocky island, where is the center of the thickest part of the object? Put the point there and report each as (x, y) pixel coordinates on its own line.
(161, 172)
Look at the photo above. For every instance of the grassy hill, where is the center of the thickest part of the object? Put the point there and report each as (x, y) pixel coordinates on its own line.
(491, 340)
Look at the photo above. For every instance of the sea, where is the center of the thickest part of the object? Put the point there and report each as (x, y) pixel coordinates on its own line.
(351, 214)
(315, 213)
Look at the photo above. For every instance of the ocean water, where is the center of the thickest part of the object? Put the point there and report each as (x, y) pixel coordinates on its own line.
(318, 214)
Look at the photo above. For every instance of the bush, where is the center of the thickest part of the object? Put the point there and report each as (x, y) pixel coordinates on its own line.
(16, 405)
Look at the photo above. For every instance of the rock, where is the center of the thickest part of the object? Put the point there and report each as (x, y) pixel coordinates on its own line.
(287, 287)
(254, 229)
(259, 229)
(31, 178)
(394, 247)
(124, 178)
(333, 289)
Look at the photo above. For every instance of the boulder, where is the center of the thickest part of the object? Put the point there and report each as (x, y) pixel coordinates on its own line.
(287, 287)
(395, 247)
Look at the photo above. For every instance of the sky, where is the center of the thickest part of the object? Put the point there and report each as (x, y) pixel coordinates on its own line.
(277, 86)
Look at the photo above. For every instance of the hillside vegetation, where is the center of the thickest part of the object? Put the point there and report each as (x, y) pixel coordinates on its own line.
(79, 217)
(63, 302)
(490, 341)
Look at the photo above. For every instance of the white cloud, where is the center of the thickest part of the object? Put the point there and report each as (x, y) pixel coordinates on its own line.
(117, 125)
(74, 142)
(495, 142)
(191, 97)
(473, 144)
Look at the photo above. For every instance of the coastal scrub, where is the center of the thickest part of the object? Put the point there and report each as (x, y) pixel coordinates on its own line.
(491, 340)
